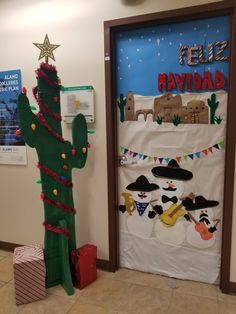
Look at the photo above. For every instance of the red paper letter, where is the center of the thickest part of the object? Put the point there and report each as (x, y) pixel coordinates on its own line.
(180, 81)
(171, 82)
(188, 81)
(197, 81)
(207, 83)
(162, 81)
(219, 81)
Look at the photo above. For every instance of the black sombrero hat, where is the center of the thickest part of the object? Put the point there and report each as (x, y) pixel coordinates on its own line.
(199, 202)
(172, 171)
(142, 184)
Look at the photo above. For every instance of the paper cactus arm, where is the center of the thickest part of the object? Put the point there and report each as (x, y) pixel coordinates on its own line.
(121, 104)
(27, 120)
(80, 141)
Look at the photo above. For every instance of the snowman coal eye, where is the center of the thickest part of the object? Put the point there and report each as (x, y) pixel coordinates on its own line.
(171, 181)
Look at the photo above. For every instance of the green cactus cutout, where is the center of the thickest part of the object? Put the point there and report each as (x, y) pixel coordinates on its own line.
(213, 104)
(57, 158)
(159, 120)
(176, 120)
(121, 102)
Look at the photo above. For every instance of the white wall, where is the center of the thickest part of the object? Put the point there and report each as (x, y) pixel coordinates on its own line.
(77, 25)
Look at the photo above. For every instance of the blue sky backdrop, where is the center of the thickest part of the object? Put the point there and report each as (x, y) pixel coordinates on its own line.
(144, 53)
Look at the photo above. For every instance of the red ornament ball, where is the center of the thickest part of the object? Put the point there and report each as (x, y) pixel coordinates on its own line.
(65, 167)
(18, 132)
(24, 90)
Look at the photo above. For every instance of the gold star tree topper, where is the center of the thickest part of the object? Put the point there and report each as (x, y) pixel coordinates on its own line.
(46, 49)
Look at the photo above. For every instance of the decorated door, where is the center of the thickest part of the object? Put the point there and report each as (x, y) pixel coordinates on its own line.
(171, 90)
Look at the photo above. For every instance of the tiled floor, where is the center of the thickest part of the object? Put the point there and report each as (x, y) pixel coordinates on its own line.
(122, 292)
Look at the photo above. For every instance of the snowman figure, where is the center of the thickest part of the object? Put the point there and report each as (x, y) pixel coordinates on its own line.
(139, 221)
(171, 178)
(201, 230)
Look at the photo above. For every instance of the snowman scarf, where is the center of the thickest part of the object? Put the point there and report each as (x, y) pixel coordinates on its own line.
(141, 207)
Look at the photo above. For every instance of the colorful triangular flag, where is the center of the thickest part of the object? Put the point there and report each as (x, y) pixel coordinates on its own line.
(216, 146)
(178, 159)
(167, 160)
(192, 156)
(222, 144)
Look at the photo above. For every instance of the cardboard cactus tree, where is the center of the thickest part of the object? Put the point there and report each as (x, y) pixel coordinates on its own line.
(57, 157)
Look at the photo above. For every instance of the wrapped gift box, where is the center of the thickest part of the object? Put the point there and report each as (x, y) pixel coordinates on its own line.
(84, 264)
(29, 274)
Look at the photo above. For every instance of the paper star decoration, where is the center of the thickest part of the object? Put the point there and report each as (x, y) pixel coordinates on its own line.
(46, 49)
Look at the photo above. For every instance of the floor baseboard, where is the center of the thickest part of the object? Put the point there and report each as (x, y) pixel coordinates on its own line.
(9, 247)
(232, 287)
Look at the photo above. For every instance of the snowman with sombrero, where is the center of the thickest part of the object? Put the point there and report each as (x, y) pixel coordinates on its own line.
(138, 221)
(201, 231)
(171, 180)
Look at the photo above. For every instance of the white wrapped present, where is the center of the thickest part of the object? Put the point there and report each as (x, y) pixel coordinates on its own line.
(29, 274)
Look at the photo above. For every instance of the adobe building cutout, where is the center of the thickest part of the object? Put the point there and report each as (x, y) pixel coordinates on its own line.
(168, 107)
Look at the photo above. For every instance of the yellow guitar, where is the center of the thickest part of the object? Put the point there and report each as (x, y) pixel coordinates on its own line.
(170, 216)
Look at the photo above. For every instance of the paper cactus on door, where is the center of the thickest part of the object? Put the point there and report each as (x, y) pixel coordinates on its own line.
(121, 102)
(213, 104)
(56, 157)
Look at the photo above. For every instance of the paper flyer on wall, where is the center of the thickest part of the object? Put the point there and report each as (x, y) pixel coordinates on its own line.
(12, 146)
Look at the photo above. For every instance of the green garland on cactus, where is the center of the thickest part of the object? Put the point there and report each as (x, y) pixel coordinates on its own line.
(57, 158)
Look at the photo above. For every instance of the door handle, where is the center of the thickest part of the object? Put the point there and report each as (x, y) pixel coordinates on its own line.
(124, 161)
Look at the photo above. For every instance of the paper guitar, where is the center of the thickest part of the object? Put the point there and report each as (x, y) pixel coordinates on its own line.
(202, 229)
(170, 216)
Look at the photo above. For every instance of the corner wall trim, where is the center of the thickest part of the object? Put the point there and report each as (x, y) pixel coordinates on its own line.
(9, 247)
(103, 265)
(232, 287)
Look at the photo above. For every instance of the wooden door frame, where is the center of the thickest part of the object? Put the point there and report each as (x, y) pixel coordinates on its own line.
(179, 15)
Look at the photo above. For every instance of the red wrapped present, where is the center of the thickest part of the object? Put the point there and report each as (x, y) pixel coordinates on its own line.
(29, 274)
(84, 265)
